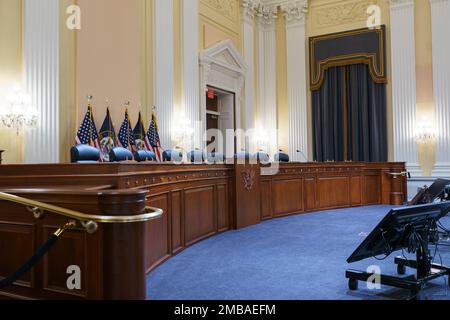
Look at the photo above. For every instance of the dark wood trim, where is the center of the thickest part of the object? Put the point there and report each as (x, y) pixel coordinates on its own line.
(188, 194)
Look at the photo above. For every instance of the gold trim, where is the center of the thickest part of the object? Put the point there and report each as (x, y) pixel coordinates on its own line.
(370, 59)
(150, 214)
(68, 225)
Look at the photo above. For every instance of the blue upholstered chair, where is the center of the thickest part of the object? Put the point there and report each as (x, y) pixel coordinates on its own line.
(174, 155)
(282, 157)
(120, 154)
(83, 153)
(216, 157)
(144, 155)
(263, 157)
(196, 156)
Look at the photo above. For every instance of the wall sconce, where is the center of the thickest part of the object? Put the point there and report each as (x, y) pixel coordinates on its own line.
(261, 138)
(182, 130)
(425, 131)
(19, 112)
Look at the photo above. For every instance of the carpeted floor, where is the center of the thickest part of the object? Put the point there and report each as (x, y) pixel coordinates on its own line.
(299, 257)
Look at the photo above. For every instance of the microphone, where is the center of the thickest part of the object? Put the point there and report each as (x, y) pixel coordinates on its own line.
(303, 155)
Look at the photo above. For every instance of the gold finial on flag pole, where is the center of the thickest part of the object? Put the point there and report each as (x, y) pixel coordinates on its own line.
(127, 104)
(89, 98)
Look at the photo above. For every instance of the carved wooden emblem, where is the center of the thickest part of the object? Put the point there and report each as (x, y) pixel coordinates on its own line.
(248, 177)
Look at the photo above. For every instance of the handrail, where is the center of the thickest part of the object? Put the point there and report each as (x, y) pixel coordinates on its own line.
(150, 214)
(399, 174)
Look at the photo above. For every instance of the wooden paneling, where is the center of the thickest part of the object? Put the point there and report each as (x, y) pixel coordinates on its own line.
(372, 189)
(266, 197)
(247, 195)
(157, 233)
(333, 192)
(104, 257)
(223, 211)
(199, 214)
(177, 225)
(310, 194)
(17, 245)
(56, 262)
(198, 201)
(355, 190)
(287, 196)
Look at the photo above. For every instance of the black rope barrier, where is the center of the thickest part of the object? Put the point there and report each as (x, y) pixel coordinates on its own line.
(9, 280)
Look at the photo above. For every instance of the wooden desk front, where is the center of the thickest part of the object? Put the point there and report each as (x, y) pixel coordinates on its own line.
(202, 200)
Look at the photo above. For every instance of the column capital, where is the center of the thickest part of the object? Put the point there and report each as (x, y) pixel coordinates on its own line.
(267, 14)
(295, 12)
(249, 9)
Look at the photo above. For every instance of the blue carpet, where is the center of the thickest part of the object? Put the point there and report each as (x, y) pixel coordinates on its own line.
(299, 257)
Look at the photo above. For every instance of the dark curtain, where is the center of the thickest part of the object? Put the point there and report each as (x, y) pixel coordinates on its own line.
(349, 116)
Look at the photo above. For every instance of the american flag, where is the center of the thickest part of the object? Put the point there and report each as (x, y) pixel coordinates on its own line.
(87, 133)
(140, 135)
(152, 139)
(126, 136)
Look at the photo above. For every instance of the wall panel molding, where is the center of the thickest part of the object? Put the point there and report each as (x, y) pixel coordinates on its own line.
(41, 76)
(164, 69)
(190, 68)
(404, 84)
(248, 16)
(267, 119)
(296, 81)
(440, 11)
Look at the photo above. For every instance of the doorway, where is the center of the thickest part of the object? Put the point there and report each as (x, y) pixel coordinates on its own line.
(220, 117)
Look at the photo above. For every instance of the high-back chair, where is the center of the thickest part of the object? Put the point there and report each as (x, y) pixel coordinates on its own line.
(144, 155)
(83, 153)
(119, 154)
(173, 155)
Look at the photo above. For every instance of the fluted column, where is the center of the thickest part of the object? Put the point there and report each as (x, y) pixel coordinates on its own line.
(267, 78)
(296, 80)
(164, 69)
(248, 16)
(404, 83)
(191, 74)
(440, 12)
(41, 76)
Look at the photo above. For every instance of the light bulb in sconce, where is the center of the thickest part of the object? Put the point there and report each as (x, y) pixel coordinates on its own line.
(19, 111)
(182, 130)
(425, 131)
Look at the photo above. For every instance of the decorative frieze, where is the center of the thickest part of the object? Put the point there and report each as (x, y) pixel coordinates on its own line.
(342, 13)
(295, 11)
(226, 8)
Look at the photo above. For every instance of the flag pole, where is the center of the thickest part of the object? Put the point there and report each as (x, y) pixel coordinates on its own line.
(127, 105)
(109, 118)
(89, 99)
